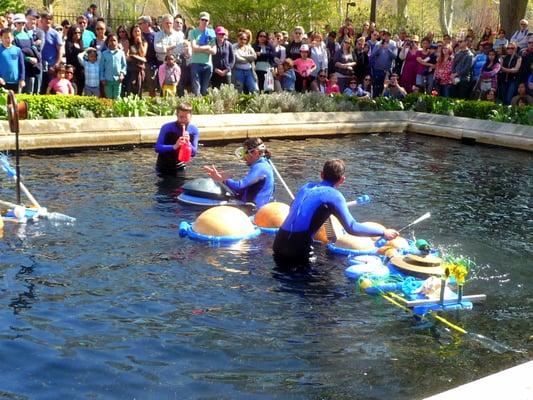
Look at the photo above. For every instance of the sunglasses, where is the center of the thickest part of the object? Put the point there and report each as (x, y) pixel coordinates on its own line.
(204, 19)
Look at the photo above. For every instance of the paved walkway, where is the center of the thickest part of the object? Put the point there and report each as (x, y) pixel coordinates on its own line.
(514, 383)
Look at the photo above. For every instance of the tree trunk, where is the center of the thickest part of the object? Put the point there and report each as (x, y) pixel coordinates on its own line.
(171, 6)
(373, 6)
(446, 16)
(402, 9)
(49, 5)
(511, 12)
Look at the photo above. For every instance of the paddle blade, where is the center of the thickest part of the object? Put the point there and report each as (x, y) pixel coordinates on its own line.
(422, 218)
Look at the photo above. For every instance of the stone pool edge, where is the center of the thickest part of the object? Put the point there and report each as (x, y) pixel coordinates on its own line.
(109, 132)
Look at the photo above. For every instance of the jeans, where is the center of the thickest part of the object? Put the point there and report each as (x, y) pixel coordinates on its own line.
(509, 89)
(445, 90)
(378, 80)
(245, 79)
(200, 78)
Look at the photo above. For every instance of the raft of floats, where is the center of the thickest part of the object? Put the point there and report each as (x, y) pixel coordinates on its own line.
(409, 274)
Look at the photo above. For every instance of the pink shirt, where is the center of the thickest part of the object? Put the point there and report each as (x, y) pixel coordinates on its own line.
(61, 86)
(304, 67)
(332, 88)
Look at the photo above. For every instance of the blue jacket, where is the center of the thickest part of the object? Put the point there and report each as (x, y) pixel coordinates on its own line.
(224, 57)
(112, 64)
(257, 186)
(11, 64)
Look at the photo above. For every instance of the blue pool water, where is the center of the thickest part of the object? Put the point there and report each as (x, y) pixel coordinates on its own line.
(118, 306)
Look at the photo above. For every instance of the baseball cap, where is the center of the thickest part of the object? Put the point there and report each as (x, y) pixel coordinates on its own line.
(205, 15)
(145, 18)
(219, 30)
(304, 47)
(19, 18)
(32, 13)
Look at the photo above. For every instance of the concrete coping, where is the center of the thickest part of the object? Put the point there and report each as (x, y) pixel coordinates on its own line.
(106, 132)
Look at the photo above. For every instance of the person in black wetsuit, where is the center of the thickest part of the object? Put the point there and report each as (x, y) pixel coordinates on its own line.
(171, 137)
(313, 205)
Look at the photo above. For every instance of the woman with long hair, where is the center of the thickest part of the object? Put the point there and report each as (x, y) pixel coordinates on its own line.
(344, 63)
(123, 38)
(443, 70)
(488, 78)
(136, 61)
(73, 47)
(243, 71)
(265, 57)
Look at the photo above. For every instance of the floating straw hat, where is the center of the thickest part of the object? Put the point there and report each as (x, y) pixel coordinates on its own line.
(420, 266)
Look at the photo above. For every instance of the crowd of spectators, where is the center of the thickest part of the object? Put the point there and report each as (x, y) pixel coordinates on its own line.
(169, 58)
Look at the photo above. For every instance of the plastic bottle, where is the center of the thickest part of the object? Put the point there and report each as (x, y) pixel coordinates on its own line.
(185, 149)
(58, 217)
(185, 152)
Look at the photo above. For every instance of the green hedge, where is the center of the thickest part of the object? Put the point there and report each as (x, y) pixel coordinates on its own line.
(228, 100)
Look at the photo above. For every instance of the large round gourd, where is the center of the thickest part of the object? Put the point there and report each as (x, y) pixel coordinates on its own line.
(347, 241)
(271, 215)
(223, 221)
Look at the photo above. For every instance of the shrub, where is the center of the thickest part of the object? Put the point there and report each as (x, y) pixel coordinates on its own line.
(53, 106)
(474, 109)
(228, 100)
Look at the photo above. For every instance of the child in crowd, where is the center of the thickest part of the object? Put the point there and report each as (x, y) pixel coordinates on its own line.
(354, 90)
(112, 68)
(11, 63)
(90, 60)
(60, 84)
(169, 76)
(332, 85)
(69, 74)
(287, 76)
(304, 68)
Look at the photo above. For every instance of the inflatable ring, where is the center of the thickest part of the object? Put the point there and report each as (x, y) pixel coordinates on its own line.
(185, 229)
(351, 252)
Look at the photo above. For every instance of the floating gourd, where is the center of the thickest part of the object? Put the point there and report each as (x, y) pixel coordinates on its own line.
(398, 243)
(271, 215)
(355, 242)
(223, 221)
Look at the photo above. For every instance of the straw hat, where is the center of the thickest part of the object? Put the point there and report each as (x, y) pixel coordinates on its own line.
(419, 266)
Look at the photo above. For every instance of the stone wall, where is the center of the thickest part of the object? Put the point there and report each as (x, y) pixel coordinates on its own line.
(108, 132)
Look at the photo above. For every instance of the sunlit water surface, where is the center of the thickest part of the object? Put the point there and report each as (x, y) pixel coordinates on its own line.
(118, 306)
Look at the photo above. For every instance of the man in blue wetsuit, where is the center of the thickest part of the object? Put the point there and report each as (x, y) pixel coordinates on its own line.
(258, 185)
(172, 136)
(313, 205)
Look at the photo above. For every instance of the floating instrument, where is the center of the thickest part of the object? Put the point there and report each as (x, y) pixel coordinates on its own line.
(205, 192)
